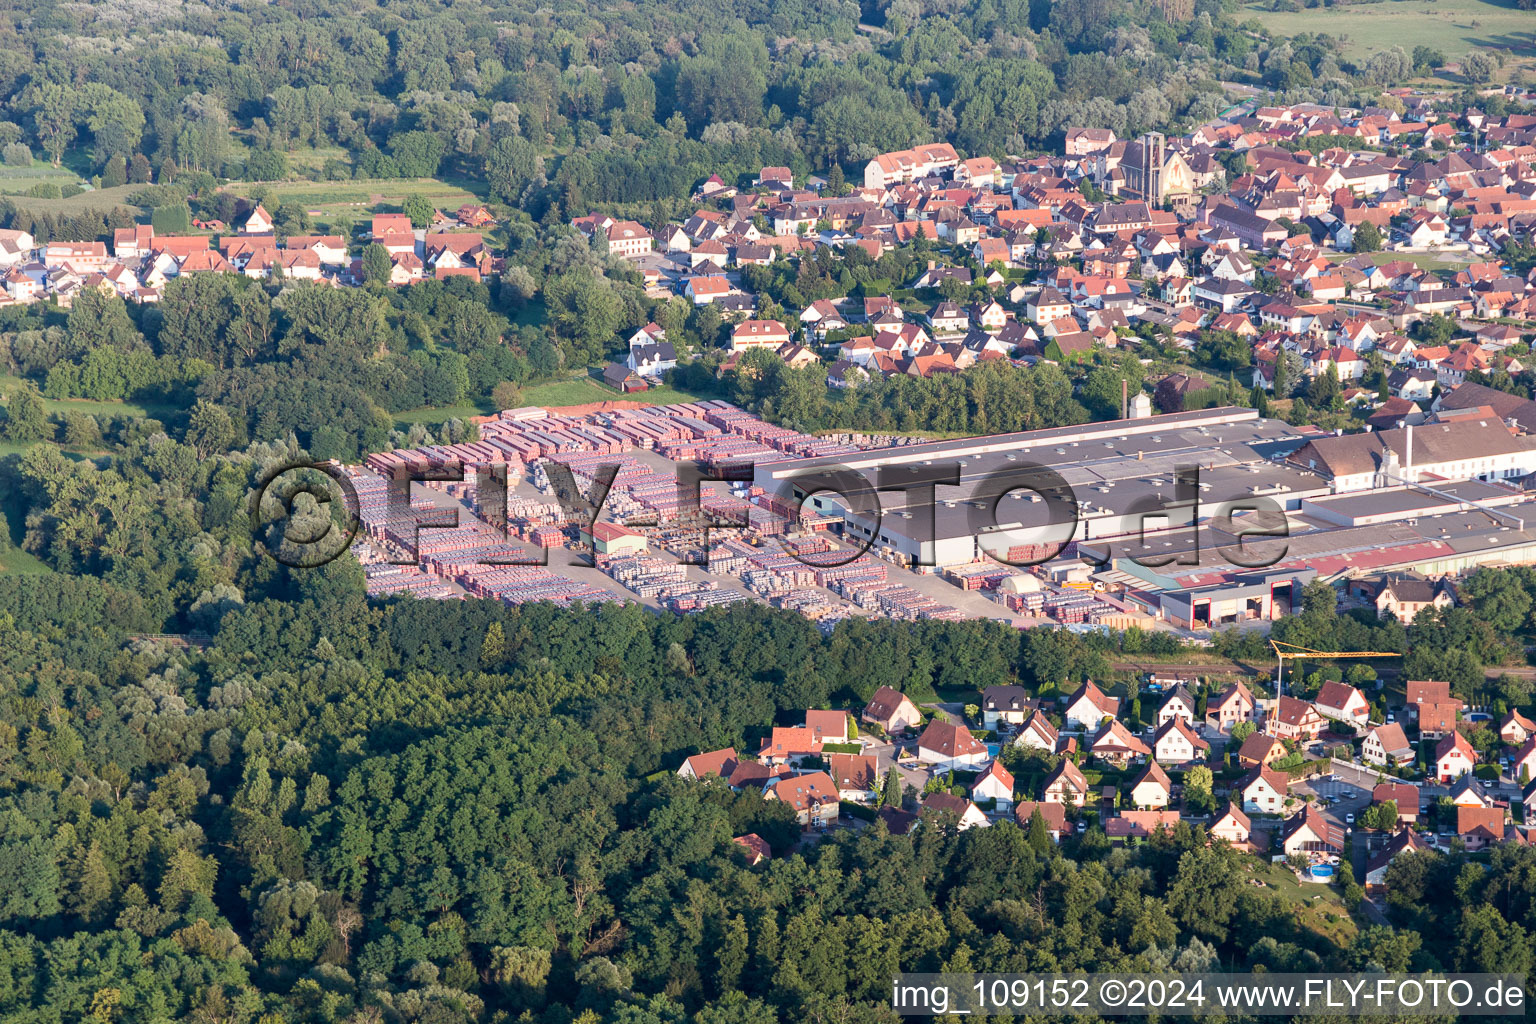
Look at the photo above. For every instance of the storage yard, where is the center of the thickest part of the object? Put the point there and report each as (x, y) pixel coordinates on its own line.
(756, 536)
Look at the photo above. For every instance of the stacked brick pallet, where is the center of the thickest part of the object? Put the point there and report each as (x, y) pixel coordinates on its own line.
(1030, 604)
(1071, 608)
(446, 551)
(526, 584)
(700, 600)
(649, 577)
(388, 580)
(979, 575)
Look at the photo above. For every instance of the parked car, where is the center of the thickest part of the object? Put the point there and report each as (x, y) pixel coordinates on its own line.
(1349, 819)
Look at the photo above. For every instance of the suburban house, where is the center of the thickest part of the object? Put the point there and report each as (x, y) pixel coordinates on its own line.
(1294, 720)
(758, 334)
(1260, 750)
(1468, 791)
(828, 726)
(1343, 703)
(855, 775)
(789, 743)
(1406, 841)
(995, 784)
(1522, 763)
(1309, 830)
(652, 360)
(1516, 728)
(891, 710)
(1178, 705)
(754, 848)
(1454, 757)
(1006, 705)
(813, 797)
(1152, 787)
(628, 240)
(1234, 704)
(1437, 720)
(945, 745)
(1089, 706)
(259, 222)
(966, 812)
(1387, 744)
(1140, 824)
(1177, 743)
(1480, 826)
(1117, 744)
(1054, 815)
(1403, 794)
(1263, 791)
(720, 762)
(1405, 596)
(1232, 825)
(1039, 734)
(706, 289)
(1066, 785)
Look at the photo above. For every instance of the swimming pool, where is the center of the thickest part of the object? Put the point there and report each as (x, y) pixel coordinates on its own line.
(1322, 872)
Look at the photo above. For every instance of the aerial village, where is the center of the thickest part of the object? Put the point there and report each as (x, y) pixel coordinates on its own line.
(140, 262)
(1318, 253)
(1431, 487)
(1326, 787)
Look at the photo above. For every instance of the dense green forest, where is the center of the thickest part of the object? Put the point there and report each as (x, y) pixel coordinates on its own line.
(637, 102)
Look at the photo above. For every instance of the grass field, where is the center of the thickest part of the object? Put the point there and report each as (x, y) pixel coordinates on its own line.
(359, 199)
(1454, 27)
(97, 199)
(1422, 260)
(85, 405)
(14, 180)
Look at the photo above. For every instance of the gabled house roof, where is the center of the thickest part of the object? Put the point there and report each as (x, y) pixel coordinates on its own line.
(1070, 774)
(950, 740)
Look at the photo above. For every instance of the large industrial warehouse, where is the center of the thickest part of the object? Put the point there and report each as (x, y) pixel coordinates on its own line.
(1352, 504)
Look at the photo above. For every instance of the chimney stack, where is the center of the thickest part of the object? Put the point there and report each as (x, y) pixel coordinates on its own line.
(1125, 400)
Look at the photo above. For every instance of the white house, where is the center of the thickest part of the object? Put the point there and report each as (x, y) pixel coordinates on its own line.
(945, 745)
(1263, 791)
(1089, 706)
(1038, 734)
(1176, 743)
(1152, 788)
(1387, 744)
(1454, 757)
(1343, 703)
(995, 784)
(1178, 705)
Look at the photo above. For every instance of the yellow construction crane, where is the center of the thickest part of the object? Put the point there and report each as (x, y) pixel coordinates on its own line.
(1295, 652)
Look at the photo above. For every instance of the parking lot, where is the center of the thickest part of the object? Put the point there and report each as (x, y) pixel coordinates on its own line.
(1336, 796)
